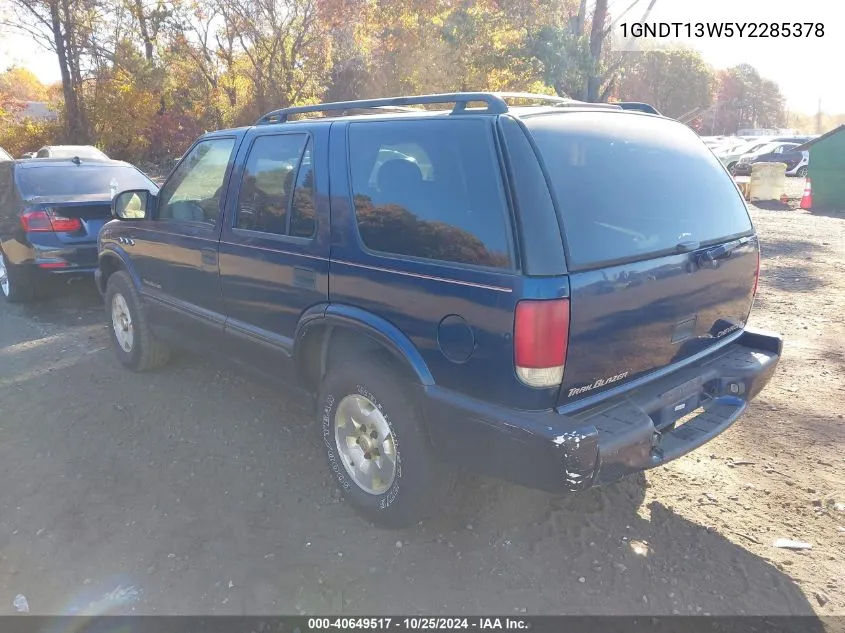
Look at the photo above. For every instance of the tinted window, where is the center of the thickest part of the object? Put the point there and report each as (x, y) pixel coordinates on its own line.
(277, 189)
(430, 189)
(302, 219)
(79, 180)
(194, 189)
(630, 187)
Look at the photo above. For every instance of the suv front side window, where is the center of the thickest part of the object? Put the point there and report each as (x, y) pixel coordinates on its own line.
(193, 191)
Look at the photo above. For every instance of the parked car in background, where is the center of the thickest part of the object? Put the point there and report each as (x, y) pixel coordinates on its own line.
(4, 155)
(796, 160)
(50, 213)
(71, 151)
(774, 149)
(730, 158)
(792, 139)
(28, 155)
(430, 306)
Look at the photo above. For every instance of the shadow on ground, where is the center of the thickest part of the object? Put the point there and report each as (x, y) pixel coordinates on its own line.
(785, 264)
(205, 493)
(772, 205)
(828, 213)
(63, 303)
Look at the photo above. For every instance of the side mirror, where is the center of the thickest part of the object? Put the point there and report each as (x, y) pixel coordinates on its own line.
(132, 205)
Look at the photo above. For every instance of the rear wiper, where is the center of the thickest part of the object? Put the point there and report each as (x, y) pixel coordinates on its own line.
(710, 256)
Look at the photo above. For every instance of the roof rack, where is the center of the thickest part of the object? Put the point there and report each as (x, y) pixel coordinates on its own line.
(495, 102)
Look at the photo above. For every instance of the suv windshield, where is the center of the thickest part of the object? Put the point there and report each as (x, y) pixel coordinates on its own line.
(630, 187)
(81, 180)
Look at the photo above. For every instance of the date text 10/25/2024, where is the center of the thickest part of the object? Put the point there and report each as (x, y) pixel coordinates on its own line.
(418, 624)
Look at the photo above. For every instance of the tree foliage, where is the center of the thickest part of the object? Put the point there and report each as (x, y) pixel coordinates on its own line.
(675, 81)
(141, 78)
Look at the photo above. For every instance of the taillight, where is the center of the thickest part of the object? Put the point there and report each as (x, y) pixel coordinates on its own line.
(47, 220)
(541, 336)
(36, 221)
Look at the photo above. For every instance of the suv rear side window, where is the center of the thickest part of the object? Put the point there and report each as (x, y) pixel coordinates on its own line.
(631, 187)
(268, 183)
(430, 189)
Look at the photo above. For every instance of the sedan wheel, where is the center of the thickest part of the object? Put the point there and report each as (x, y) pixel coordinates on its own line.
(14, 286)
(4, 277)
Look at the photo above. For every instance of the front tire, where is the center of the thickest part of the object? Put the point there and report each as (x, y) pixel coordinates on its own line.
(376, 446)
(732, 168)
(14, 286)
(802, 172)
(132, 338)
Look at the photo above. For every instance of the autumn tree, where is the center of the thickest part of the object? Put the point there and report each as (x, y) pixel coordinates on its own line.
(747, 100)
(63, 26)
(285, 48)
(674, 81)
(21, 84)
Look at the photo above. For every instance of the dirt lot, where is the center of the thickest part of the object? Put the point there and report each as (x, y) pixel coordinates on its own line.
(194, 491)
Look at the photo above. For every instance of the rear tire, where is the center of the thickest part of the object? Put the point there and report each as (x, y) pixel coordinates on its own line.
(132, 338)
(732, 168)
(802, 172)
(14, 286)
(376, 445)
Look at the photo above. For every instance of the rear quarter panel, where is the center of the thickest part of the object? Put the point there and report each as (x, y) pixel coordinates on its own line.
(460, 319)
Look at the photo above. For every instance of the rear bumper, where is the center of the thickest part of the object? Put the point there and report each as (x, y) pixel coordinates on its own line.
(45, 254)
(636, 431)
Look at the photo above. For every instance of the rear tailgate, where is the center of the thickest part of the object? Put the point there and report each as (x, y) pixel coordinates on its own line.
(645, 207)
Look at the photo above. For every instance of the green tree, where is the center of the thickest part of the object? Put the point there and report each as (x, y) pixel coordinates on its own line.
(674, 81)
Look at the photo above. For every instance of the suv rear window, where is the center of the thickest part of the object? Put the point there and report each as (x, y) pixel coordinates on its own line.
(430, 189)
(630, 187)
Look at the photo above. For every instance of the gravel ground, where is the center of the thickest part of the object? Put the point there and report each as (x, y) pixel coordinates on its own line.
(194, 491)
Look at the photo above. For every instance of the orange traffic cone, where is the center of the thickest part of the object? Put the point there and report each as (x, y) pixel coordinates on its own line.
(807, 198)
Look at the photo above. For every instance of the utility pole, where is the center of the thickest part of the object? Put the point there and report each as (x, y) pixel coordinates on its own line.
(643, 19)
(715, 117)
(819, 118)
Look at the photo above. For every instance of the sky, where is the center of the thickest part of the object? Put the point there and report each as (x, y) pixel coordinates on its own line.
(807, 69)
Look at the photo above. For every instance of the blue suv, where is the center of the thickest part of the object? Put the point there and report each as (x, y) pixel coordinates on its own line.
(554, 293)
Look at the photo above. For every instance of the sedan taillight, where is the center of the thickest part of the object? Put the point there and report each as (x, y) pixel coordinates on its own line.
(48, 221)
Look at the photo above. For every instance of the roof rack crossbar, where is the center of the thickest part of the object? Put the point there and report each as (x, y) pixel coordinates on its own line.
(495, 104)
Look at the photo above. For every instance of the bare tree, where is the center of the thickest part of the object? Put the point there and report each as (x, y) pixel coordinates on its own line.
(285, 45)
(59, 25)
